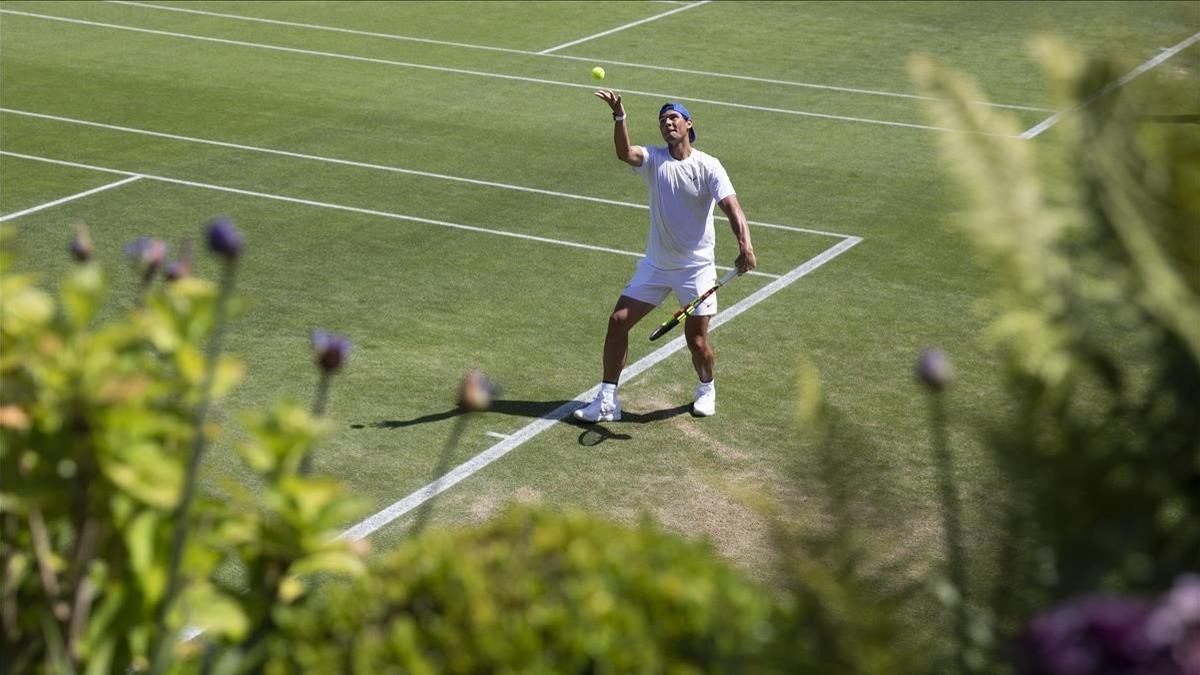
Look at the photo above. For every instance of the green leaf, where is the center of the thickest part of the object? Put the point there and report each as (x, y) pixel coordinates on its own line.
(330, 562)
(82, 293)
(146, 472)
(217, 614)
(190, 363)
(26, 309)
(100, 655)
(230, 371)
(141, 537)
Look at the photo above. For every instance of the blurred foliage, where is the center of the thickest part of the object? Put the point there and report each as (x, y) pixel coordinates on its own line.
(1096, 245)
(97, 427)
(536, 592)
(843, 608)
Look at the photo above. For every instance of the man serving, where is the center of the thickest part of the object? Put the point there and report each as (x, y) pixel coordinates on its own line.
(684, 183)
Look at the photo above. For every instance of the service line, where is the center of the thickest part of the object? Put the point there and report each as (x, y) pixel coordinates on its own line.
(350, 209)
(376, 167)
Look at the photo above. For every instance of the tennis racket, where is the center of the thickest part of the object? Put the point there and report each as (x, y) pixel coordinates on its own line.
(691, 307)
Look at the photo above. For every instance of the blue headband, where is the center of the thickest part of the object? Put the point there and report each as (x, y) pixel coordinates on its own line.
(678, 107)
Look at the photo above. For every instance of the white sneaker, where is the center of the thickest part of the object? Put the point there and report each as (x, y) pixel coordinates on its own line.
(705, 404)
(601, 409)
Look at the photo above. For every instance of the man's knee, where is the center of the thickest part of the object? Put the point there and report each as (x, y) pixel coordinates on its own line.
(618, 321)
(698, 343)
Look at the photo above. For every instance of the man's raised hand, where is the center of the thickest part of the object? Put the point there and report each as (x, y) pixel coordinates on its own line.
(613, 100)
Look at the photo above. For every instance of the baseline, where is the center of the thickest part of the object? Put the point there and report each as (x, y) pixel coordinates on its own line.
(378, 167)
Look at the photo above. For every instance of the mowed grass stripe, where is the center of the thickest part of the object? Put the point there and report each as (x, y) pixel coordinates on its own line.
(601, 60)
(477, 73)
(378, 167)
(605, 230)
(339, 110)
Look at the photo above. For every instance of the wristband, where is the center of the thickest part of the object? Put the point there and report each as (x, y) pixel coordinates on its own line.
(619, 118)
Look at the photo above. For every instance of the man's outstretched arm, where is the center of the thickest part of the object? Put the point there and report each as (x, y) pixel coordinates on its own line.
(630, 154)
(741, 231)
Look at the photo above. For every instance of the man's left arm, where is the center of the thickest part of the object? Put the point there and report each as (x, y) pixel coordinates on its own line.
(741, 231)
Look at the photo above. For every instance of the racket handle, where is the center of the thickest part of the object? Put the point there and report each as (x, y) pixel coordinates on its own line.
(663, 329)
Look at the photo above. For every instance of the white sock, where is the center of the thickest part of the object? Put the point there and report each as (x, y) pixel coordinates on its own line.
(608, 390)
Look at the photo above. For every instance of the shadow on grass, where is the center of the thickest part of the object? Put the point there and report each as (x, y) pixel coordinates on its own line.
(593, 434)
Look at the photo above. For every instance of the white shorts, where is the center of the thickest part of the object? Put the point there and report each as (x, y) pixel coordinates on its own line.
(653, 285)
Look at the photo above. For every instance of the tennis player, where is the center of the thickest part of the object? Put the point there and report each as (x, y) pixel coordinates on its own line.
(684, 183)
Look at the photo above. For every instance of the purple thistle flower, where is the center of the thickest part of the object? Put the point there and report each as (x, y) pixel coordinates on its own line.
(934, 369)
(81, 245)
(1096, 635)
(224, 239)
(146, 254)
(331, 350)
(1175, 624)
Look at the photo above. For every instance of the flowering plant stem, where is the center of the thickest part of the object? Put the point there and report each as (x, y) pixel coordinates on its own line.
(199, 444)
(951, 528)
(318, 410)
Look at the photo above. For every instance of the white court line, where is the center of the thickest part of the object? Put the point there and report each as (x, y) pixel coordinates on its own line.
(350, 209)
(476, 73)
(495, 434)
(529, 431)
(621, 28)
(589, 59)
(1050, 121)
(377, 167)
(131, 178)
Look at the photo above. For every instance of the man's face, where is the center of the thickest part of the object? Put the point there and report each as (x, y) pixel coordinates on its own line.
(674, 127)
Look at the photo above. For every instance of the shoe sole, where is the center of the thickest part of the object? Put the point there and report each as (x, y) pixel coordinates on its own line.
(697, 413)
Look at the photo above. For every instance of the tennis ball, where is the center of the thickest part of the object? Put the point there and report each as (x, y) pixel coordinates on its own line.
(597, 73)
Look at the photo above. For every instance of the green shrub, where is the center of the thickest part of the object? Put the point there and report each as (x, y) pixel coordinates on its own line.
(535, 592)
(106, 557)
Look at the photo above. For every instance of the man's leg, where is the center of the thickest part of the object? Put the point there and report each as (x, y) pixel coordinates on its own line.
(606, 407)
(696, 330)
(616, 342)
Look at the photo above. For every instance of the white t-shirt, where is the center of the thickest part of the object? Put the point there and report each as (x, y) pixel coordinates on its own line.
(682, 195)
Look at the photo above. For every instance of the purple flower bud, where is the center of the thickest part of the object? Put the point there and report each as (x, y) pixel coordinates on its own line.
(224, 239)
(331, 350)
(146, 255)
(933, 369)
(181, 268)
(476, 391)
(81, 245)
